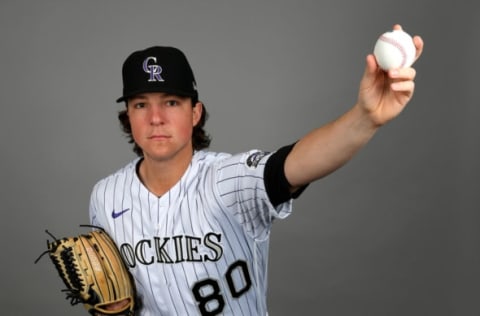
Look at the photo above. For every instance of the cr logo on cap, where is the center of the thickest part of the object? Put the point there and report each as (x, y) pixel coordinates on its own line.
(154, 70)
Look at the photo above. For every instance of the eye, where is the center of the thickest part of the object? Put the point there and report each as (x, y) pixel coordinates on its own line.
(139, 105)
(172, 102)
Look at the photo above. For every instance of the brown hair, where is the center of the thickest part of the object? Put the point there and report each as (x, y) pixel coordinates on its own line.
(200, 138)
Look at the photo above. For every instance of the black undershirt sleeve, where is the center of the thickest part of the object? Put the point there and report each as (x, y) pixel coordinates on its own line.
(276, 184)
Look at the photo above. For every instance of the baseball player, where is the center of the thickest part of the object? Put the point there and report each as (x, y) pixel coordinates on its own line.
(193, 225)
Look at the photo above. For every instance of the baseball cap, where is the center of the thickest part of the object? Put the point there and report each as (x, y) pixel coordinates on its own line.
(158, 69)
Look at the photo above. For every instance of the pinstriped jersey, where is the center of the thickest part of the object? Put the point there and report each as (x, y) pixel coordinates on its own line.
(202, 247)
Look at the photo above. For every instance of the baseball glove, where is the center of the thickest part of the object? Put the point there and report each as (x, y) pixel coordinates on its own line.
(94, 273)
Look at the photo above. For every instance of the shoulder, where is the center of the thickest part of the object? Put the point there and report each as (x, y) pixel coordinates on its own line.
(208, 157)
(128, 171)
(232, 167)
(250, 159)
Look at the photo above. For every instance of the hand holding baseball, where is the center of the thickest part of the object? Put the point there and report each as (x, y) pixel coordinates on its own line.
(383, 94)
(397, 49)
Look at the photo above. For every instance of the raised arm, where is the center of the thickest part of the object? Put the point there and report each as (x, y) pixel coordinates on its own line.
(382, 97)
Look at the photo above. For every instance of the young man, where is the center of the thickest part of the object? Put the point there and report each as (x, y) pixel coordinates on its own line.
(193, 225)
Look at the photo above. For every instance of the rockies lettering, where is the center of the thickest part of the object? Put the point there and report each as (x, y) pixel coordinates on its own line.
(173, 249)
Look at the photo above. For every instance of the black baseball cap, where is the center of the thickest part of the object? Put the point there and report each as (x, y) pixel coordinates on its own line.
(158, 69)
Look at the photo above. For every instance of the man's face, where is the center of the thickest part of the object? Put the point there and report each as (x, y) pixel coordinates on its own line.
(162, 124)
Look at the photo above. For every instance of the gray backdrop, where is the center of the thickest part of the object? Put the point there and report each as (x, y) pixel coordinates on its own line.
(395, 232)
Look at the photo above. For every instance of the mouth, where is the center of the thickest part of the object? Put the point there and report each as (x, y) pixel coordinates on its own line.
(158, 137)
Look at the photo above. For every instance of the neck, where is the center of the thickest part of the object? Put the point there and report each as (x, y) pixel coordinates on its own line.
(160, 176)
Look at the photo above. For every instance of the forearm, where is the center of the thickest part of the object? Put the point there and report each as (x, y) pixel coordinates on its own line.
(329, 147)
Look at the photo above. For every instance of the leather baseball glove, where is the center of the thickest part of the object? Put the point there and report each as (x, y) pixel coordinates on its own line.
(94, 273)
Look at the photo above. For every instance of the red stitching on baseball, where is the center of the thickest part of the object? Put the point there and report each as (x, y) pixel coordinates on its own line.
(397, 45)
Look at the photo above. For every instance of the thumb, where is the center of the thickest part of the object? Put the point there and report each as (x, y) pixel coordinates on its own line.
(370, 73)
(371, 67)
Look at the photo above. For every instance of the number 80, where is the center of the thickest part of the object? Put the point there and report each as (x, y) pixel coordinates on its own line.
(215, 295)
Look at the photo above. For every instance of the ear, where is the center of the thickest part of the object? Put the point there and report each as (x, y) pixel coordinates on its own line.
(126, 107)
(197, 110)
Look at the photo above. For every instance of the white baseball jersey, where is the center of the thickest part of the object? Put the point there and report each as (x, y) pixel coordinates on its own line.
(201, 248)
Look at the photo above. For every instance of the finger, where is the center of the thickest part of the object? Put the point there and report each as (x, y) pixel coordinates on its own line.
(403, 86)
(418, 41)
(401, 74)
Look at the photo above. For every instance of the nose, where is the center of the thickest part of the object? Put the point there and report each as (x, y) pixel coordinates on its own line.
(157, 115)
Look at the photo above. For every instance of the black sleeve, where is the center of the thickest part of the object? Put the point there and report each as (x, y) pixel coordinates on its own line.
(276, 184)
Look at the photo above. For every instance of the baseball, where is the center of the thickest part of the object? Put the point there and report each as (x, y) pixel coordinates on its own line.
(394, 49)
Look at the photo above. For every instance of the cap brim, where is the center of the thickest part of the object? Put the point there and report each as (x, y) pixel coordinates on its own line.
(165, 90)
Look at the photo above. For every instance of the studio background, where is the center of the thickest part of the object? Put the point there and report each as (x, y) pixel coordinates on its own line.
(394, 232)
